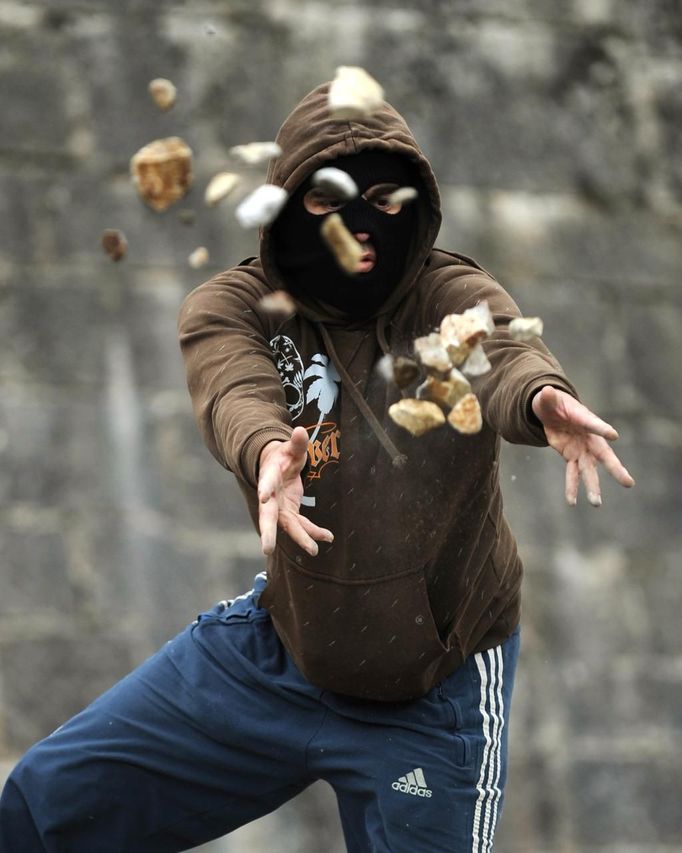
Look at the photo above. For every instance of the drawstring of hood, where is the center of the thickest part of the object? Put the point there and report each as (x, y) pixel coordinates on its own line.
(381, 334)
(399, 459)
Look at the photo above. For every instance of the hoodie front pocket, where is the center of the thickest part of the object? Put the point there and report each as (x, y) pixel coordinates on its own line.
(374, 639)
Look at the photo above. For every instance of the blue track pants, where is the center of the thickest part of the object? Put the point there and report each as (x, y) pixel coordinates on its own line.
(219, 728)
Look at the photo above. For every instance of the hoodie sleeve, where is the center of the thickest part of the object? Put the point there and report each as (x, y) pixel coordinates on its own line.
(519, 369)
(236, 391)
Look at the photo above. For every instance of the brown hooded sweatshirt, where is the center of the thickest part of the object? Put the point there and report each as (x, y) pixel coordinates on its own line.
(423, 570)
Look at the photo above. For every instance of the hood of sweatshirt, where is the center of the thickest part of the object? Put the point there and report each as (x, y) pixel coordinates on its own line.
(310, 139)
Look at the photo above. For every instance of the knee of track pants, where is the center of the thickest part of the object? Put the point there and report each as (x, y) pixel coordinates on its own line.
(18, 830)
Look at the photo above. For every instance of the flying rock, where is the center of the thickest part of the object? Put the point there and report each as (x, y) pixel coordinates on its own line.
(163, 92)
(341, 242)
(460, 333)
(335, 181)
(416, 416)
(114, 243)
(405, 370)
(403, 195)
(162, 171)
(278, 303)
(432, 354)
(446, 393)
(262, 206)
(354, 94)
(219, 187)
(199, 258)
(255, 153)
(525, 328)
(465, 415)
(477, 362)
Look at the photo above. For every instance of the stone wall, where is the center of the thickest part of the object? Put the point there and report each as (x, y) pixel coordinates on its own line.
(555, 130)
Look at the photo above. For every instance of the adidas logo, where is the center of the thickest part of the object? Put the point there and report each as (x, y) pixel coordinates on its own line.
(413, 783)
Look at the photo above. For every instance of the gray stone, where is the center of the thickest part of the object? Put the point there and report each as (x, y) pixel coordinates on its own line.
(669, 113)
(48, 680)
(559, 236)
(19, 212)
(54, 448)
(53, 336)
(653, 344)
(142, 574)
(623, 795)
(35, 576)
(189, 484)
(655, 570)
(33, 99)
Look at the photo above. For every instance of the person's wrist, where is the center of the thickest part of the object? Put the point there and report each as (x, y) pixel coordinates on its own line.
(267, 451)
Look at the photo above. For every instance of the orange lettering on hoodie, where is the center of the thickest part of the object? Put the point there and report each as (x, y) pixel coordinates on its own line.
(323, 447)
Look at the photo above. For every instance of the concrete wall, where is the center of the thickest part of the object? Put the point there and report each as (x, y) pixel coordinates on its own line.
(555, 131)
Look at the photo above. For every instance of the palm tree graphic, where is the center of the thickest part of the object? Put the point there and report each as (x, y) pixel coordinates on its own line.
(324, 389)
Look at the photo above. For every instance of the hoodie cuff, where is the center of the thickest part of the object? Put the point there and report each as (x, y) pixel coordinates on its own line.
(254, 444)
(533, 423)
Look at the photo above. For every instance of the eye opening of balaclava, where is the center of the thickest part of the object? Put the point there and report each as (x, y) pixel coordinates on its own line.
(308, 266)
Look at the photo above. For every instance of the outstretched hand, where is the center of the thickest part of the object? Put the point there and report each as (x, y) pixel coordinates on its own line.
(582, 439)
(280, 489)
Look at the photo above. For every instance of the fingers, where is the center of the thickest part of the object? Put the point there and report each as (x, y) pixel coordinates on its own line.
(580, 416)
(572, 481)
(614, 466)
(268, 513)
(319, 533)
(268, 508)
(590, 477)
(292, 526)
(299, 439)
(298, 447)
(585, 469)
(269, 477)
(299, 528)
(596, 425)
(267, 484)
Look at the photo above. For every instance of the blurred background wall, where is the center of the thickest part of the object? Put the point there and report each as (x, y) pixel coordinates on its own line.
(555, 129)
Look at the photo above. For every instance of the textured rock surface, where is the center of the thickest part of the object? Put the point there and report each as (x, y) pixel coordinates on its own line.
(554, 129)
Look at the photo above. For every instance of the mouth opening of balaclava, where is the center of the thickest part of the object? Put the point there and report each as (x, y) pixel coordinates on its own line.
(307, 264)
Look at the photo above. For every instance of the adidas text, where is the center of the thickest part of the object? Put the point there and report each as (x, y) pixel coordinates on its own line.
(411, 789)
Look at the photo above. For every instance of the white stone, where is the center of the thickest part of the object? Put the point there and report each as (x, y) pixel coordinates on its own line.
(261, 206)
(477, 362)
(219, 187)
(481, 311)
(163, 92)
(199, 258)
(335, 181)
(354, 94)
(255, 153)
(402, 195)
(525, 328)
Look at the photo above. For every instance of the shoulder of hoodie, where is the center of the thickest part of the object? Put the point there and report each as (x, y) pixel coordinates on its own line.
(452, 282)
(234, 293)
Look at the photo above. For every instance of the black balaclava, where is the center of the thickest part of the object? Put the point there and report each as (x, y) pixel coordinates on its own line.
(308, 266)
